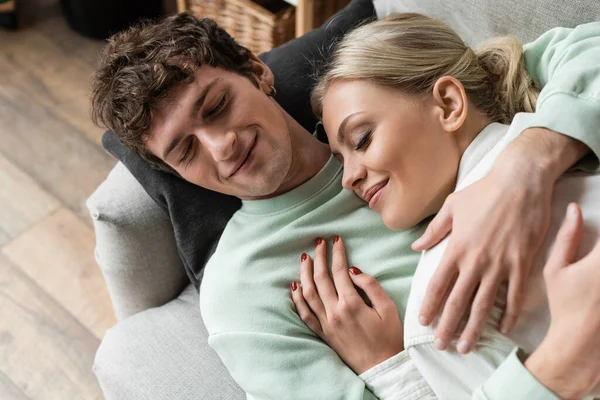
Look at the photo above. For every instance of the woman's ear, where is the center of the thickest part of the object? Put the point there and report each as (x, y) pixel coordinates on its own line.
(262, 74)
(450, 96)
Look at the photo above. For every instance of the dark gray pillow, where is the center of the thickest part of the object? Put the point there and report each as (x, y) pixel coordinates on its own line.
(199, 215)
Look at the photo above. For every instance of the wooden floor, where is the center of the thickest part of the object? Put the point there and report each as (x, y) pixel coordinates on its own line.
(54, 307)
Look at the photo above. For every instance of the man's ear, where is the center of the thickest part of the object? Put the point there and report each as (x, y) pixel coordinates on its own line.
(262, 74)
(450, 96)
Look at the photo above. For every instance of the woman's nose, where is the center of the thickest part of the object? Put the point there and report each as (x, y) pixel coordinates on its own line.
(353, 175)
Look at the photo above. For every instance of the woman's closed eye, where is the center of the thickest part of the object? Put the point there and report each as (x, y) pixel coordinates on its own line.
(363, 140)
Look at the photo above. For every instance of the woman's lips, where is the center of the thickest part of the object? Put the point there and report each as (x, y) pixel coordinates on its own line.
(375, 198)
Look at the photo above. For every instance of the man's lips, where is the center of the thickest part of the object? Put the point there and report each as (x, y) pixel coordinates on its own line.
(244, 158)
(373, 190)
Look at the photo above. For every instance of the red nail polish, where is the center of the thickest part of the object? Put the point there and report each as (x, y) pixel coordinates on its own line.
(319, 241)
(303, 257)
(336, 238)
(355, 271)
(294, 286)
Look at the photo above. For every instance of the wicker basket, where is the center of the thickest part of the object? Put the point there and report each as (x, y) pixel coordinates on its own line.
(252, 25)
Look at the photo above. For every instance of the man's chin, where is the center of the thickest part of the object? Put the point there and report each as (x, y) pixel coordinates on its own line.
(260, 192)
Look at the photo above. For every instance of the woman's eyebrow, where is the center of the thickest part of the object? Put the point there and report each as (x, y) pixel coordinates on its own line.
(342, 129)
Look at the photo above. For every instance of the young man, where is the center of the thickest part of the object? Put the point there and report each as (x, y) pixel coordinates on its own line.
(191, 101)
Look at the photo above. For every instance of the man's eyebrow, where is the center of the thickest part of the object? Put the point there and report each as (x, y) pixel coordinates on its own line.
(171, 147)
(197, 105)
(203, 94)
(342, 128)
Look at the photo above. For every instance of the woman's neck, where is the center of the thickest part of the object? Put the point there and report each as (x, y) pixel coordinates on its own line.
(475, 122)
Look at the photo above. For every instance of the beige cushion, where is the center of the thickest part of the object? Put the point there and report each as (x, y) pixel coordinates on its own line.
(135, 247)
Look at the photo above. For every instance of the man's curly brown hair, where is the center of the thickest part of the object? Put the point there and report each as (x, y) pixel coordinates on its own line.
(142, 65)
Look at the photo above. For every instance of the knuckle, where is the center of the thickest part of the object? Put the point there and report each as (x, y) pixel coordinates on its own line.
(314, 326)
(455, 306)
(483, 307)
(321, 275)
(435, 290)
(389, 308)
(516, 300)
(348, 305)
(479, 260)
(304, 316)
(369, 282)
(338, 267)
(309, 292)
(335, 320)
(548, 273)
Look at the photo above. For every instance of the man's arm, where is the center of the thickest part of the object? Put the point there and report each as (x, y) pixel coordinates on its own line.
(566, 65)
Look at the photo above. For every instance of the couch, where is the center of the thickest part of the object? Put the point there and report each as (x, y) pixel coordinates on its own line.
(158, 348)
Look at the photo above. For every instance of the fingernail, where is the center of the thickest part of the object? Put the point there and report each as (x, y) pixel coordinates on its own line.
(336, 238)
(439, 344)
(319, 241)
(355, 271)
(463, 346)
(294, 286)
(417, 243)
(423, 321)
(303, 257)
(504, 328)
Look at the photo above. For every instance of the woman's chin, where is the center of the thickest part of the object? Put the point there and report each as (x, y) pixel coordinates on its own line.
(399, 222)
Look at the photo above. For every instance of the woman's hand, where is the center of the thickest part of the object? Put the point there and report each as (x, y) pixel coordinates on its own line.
(498, 225)
(363, 336)
(568, 359)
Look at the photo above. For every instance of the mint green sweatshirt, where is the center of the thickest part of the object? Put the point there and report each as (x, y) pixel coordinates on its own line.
(245, 296)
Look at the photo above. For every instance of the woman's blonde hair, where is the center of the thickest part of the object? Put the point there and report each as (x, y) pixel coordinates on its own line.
(411, 52)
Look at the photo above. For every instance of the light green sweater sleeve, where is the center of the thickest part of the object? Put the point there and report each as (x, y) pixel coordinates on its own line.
(513, 381)
(566, 64)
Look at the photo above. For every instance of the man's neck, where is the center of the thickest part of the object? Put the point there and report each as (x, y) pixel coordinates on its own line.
(309, 156)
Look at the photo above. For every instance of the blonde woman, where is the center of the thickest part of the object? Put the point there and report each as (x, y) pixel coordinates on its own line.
(415, 114)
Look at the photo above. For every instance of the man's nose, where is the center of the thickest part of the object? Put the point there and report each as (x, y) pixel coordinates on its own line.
(221, 145)
(353, 175)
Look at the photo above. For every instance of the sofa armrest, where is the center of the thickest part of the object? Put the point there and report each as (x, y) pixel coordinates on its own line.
(163, 354)
(135, 245)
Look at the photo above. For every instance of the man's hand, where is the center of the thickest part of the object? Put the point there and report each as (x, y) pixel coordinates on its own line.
(498, 225)
(568, 359)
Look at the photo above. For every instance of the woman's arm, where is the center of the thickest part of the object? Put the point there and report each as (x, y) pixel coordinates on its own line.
(495, 240)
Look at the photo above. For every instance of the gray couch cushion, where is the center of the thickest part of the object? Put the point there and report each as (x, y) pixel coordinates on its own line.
(477, 20)
(163, 354)
(135, 245)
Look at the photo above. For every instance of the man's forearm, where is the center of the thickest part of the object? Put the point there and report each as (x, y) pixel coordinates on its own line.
(552, 152)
